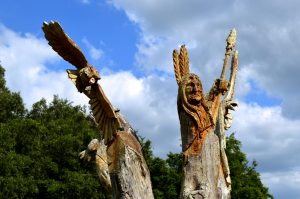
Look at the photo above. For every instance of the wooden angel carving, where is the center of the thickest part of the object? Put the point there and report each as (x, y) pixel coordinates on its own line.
(127, 179)
(203, 121)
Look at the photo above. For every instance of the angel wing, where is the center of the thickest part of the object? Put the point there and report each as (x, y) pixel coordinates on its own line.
(63, 44)
(84, 78)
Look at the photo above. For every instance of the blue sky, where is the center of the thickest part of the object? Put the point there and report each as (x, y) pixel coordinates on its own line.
(101, 24)
(131, 42)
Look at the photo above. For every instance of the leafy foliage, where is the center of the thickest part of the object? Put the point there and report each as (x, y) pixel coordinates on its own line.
(39, 155)
(11, 103)
(165, 174)
(246, 183)
(39, 149)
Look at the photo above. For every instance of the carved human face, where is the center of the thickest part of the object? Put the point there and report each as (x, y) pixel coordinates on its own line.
(193, 90)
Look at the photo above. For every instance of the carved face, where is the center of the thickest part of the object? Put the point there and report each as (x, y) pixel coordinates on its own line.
(193, 90)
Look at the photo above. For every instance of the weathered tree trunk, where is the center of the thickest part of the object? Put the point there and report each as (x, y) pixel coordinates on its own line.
(128, 170)
(121, 167)
(123, 160)
(203, 175)
(203, 120)
(120, 164)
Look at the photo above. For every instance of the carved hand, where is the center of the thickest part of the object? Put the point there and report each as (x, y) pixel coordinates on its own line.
(223, 85)
(229, 105)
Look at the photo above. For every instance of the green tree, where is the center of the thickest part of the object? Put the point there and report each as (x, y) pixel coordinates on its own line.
(246, 183)
(165, 174)
(39, 155)
(11, 102)
(39, 149)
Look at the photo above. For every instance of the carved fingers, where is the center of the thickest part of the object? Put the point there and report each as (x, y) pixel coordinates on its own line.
(228, 118)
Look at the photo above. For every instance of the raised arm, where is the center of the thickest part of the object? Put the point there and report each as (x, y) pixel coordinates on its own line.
(220, 86)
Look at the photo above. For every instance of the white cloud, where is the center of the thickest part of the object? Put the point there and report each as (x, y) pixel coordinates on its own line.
(273, 141)
(269, 56)
(267, 40)
(268, 137)
(285, 184)
(25, 59)
(149, 103)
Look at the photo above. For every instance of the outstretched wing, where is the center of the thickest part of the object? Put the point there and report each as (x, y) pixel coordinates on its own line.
(104, 113)
(63, 44)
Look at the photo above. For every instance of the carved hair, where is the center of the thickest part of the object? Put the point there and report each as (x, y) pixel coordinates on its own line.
(199, 113)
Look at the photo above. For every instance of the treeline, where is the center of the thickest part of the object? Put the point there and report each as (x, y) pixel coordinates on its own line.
(39, 155)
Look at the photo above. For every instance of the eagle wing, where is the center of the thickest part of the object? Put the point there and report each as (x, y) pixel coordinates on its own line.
(63, 44)
(103, 111)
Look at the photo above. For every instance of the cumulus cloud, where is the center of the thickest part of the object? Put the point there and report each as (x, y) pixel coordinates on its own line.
(268, 136)
(267, 40)
(285, 184)
(25, 59)
(268, 47)
(149, 103)
(273, 141)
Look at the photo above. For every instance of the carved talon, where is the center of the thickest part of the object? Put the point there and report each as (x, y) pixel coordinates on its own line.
(85, 155)
(82, 154)
(89, 153)
(93, 145)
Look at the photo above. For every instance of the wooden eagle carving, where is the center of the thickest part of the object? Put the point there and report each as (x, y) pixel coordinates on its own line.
(85, 79)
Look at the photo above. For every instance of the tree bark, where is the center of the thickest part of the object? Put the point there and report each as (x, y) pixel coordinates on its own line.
(203, 120)
(122, 159)
(205, 166)
(128, 170)
(203, 173)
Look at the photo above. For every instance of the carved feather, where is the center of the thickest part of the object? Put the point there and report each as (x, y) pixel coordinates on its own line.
(176, 66)
(184, 61)
(63, 44)
(104, 113)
